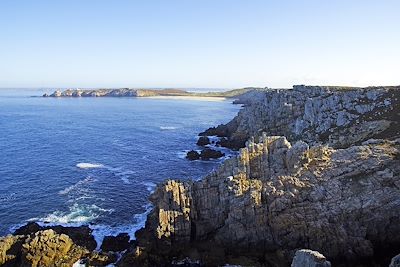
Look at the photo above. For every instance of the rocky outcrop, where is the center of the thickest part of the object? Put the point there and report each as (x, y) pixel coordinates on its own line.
(309, 258)
(193, 155)
(337, 116)
(33, 245)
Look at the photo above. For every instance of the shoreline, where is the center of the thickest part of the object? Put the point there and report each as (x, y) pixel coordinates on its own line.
(289, 189)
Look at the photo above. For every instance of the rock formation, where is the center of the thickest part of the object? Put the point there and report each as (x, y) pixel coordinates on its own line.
(33, 245)
(320, 171)
(336, 116)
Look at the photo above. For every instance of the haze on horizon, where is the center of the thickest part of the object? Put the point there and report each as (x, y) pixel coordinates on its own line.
(208, 43)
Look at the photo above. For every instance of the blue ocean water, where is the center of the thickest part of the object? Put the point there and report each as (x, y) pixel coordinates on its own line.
(95, 160)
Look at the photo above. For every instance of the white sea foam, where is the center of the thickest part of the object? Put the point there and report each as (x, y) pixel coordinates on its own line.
(166, 128)
(77, 214)
(150, 186)
(139, 220)
(78, 185)
(84, 165)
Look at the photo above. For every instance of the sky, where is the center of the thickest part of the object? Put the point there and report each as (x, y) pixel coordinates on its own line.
(198, 43)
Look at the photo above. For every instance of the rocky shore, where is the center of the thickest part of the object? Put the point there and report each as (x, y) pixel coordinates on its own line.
(316, 183)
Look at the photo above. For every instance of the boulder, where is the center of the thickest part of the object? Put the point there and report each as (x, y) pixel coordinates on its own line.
(309, 258)
(203, 141)
(193, 155)
(209, 153)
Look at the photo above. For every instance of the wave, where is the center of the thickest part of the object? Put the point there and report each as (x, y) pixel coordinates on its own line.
(77, 214)
(139, 221)
(150, 186)
(166, 128)
(85, 165)
(78, 185)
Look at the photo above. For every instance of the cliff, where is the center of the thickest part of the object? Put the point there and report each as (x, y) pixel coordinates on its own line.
(320, 170)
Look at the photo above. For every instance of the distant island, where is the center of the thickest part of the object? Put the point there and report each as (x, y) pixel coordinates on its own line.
(129, 92)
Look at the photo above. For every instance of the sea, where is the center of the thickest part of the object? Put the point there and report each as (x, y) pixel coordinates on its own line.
(95, 161)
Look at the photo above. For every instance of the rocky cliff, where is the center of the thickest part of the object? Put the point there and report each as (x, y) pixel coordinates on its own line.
(320, 170)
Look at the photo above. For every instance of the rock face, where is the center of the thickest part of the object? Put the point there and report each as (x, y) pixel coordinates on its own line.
(334, 188)
(337, 116)
(309, 258)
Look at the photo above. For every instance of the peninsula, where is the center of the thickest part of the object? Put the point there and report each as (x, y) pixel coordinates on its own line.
(128, 92)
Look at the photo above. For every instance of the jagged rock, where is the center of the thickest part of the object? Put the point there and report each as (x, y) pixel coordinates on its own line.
(209, 153)
(10, 247)
(47, 248)
(193, 155)
(309, 258)
(395, 262)
(81, 235)
(203, 141)
(275, 195)
(116, 243)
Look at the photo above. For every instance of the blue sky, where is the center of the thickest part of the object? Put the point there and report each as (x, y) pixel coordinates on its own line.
(198, 43)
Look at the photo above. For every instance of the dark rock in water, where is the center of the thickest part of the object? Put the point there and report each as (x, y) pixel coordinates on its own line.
(209, 153)
(220, 131)
(116, 243)
(193, 155)
(28, 229)
(203, 140)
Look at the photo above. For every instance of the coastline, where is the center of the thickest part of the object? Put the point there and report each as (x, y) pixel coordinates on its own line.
(290, 187)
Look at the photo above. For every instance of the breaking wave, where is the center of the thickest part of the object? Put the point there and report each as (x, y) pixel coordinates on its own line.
(85, 165)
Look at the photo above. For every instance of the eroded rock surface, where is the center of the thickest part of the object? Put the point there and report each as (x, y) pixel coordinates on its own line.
(337, 116)
(275, 195)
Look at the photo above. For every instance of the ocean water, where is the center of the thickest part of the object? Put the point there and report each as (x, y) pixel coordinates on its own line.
(95, 161)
